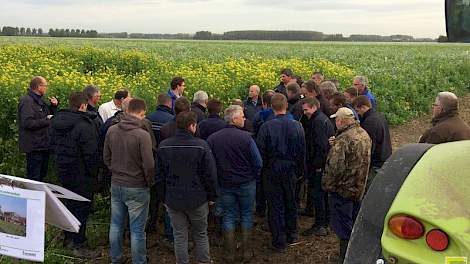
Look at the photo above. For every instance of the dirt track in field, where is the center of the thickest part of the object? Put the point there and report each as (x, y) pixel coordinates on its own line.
(311, 249)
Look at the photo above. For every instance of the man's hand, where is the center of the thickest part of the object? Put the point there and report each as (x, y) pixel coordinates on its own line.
(332, 140)
(53, 101)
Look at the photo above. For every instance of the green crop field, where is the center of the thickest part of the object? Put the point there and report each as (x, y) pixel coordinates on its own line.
(404, 77)
(12, 229)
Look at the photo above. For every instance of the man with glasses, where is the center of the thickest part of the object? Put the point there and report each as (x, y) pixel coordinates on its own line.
(33, 121)
(446, 124)
(360, 83)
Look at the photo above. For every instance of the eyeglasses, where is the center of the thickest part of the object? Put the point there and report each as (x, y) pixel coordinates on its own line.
(356, 84)
(45, 85)
(434, 104)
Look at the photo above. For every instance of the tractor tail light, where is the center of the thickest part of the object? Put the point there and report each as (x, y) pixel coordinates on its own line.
(437, 240)
(406, 227)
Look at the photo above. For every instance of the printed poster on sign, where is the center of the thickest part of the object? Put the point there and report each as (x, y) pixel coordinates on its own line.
(22, 216)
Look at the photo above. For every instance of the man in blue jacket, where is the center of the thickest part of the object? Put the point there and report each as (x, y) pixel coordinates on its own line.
(176, 90)
(186, 177)
(33, 121)
(238, 165)
(281, 142)
(162, 115)
(361, 84)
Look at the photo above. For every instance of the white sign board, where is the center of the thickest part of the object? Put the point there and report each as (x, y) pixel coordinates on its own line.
(22, 217)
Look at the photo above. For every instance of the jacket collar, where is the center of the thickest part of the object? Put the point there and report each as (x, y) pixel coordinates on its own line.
(214, 116)
(258, 101)
(165, 108)
(344, 129)
(36, 97)
(183, 133)
(444, 116)
(202, 108)
(367, 114)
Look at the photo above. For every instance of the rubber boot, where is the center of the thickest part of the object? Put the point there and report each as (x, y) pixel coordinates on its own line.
(229, 247)
(343, 247)
(247, 250)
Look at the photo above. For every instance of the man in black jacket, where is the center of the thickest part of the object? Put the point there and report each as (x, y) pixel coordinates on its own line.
(213, 122)
(293, 100)
(94, 96)
(318, 129)
(33, 121)
(377, 127)
(186, 176)
(169, 129)
(281, 142)
(76, 148)
(199, 105)
(253, 103)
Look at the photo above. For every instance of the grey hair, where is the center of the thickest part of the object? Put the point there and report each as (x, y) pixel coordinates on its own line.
(90, 91)
(232, 112)
(258, 90)
(448, 101)
(200, 97)
(327, 89)
(362, 79)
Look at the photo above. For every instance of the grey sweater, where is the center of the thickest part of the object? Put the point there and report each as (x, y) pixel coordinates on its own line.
(128, 154)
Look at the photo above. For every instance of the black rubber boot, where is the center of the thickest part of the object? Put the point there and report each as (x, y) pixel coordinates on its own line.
(229, 247)
(247, 250)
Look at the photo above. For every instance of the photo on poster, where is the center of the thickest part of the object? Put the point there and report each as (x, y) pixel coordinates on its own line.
(13, 215)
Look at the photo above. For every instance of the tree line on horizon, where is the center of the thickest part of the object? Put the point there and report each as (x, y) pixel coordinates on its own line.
(293, 35)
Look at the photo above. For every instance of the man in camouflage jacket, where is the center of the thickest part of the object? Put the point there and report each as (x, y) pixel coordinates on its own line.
(346, 173)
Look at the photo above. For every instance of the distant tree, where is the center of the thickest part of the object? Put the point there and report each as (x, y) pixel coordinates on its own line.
(203, 35)
(61, 32)
(442, 39)
(72, 33)
(67, 32)
(35, 32)
(40, 31)
(28, 32)
(22, 31)
(82, 33)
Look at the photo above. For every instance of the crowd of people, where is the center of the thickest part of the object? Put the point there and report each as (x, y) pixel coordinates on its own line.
(197, 159)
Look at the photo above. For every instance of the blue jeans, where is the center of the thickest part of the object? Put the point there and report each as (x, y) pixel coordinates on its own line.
(135, 202)
(238, 204)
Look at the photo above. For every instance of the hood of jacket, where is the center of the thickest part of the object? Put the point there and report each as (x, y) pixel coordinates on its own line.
(66, 119)
(130, 122)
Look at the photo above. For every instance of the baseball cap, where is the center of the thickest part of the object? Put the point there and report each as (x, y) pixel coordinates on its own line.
(343, 113)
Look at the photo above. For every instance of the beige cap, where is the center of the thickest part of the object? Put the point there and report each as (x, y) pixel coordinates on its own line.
(343, 113)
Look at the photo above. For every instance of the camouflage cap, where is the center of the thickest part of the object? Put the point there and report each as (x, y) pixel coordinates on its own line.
(343, 113)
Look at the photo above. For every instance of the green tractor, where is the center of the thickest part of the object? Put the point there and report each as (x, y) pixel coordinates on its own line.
(417, 210)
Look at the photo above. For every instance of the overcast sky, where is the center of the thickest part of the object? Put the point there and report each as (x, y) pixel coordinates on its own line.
(420, 18)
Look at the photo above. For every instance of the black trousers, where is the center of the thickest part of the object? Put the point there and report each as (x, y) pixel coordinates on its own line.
(36, 164)
(282, 209)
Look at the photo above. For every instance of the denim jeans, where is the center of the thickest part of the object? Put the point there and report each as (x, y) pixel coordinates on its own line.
(182, 221)
(135, 202)
(237, 204)
(36, 164)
